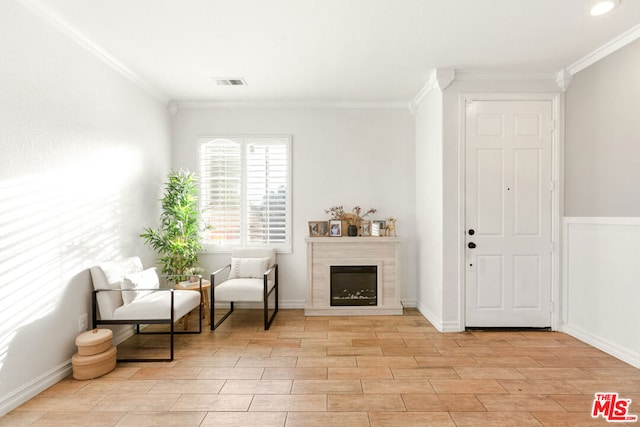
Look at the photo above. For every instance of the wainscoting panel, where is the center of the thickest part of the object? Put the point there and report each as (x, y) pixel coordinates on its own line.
(601, 284)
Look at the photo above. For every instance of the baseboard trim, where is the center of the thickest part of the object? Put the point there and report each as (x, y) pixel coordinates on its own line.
(34, 387)
(626, 355)
(437, 322)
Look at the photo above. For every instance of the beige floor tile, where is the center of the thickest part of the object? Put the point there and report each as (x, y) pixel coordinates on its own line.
(352, 371)
(396, 386)
(502, 419)
(369, 402)
(575, 402)
(267, 362)
(166, 373)
(75, 403)
(354, 351)
(506, 361)
(289, 403)
(390, 361)
(245, 419)
(20, 418)
(295, 374)
(323, 419)
(231, 373)
(454, 361)
(467, 386)
(161, 419)
(212, 402)
(300, 351)
(137, 402)
(442, 402)
(328, 361)
(555, 373)
(187, 386)
(359, 373)
(257, 387)
(566, 419)
(546, 386)
(518, 403)
(80, 419)
(489, 373)
(102, 386)
(410, 419)
(326, 387)
(424, 373)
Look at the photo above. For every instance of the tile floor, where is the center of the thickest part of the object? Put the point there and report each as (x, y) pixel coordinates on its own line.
(347, 371)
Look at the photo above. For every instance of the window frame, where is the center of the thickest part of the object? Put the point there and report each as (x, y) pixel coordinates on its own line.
(245, 140)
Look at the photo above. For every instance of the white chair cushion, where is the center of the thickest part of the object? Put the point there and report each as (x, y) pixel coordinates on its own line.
(157, 305)
(248, 268)
(147, 279)
(109, 276)
(238, 290)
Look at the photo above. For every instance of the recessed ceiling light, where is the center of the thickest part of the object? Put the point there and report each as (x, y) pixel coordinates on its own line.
(230, 81)
(604, 6)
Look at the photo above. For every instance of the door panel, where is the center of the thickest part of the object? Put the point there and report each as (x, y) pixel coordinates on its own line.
(508, 205)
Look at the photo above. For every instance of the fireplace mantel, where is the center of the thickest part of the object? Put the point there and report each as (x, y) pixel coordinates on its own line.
(324, 252)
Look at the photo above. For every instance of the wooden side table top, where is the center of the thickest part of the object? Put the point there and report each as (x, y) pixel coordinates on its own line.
(194, 286)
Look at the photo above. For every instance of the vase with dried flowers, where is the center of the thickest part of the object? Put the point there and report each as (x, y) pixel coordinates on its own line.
(353, 219)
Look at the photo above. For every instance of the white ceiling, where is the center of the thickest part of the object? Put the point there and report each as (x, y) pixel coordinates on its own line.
(369, 51)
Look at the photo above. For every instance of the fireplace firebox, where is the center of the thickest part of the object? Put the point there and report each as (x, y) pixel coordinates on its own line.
(354, 285)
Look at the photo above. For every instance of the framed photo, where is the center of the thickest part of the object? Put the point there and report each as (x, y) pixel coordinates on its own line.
(377, 227)
(318, 228)
(335, 228)
(366, 228)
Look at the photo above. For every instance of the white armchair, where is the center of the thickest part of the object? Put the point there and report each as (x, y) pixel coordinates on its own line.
(252, 277)
(125, 294)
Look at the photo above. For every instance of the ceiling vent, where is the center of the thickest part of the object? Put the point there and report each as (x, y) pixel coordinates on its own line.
(224, 81)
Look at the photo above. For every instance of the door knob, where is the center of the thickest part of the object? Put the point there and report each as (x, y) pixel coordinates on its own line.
(471, 232)
(471, 245)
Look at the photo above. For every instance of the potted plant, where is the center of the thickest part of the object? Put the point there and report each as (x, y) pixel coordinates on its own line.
(177, 239)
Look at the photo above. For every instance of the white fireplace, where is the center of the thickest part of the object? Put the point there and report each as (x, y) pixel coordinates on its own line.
(346, 254)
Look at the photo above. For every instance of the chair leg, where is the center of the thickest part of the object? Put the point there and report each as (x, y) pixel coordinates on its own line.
(227, 314)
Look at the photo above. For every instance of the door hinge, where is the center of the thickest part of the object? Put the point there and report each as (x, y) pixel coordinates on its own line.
(553, 125)
(552, 186)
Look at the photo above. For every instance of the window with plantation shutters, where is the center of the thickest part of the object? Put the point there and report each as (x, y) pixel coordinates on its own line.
(245, 192)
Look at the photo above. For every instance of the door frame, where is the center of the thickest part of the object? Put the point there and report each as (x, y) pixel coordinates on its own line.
(557, 198)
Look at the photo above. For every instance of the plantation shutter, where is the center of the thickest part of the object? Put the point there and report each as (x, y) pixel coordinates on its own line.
(245, 192)
(267, 192)
(220, 191)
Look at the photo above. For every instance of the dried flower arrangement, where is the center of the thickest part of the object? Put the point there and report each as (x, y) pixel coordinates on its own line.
(356, 217)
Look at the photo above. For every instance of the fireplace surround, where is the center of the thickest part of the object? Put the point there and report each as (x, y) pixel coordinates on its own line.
(379, 254)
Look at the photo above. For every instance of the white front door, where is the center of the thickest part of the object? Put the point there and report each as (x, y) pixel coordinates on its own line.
(508, 213)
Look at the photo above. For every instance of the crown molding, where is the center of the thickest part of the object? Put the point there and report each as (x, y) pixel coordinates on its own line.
(73, 34)
(606, 49)
(286, 104)
(439, 78)
(471, 75)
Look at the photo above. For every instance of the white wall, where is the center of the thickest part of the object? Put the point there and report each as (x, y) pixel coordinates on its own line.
(601, 291)
(82, 156)
(429, 206)
(602, 204)
(340, 156)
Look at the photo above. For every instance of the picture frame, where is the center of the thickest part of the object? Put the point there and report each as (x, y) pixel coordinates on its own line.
(377, 227)
(335, 228)
(366, 228)
(318, 228)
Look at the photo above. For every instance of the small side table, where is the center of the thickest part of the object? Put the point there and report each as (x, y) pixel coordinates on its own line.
(194, 286)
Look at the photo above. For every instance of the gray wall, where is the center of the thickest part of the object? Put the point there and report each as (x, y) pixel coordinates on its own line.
(602, 144)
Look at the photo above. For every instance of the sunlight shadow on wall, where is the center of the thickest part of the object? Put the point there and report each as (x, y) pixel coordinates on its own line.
(52, 226)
